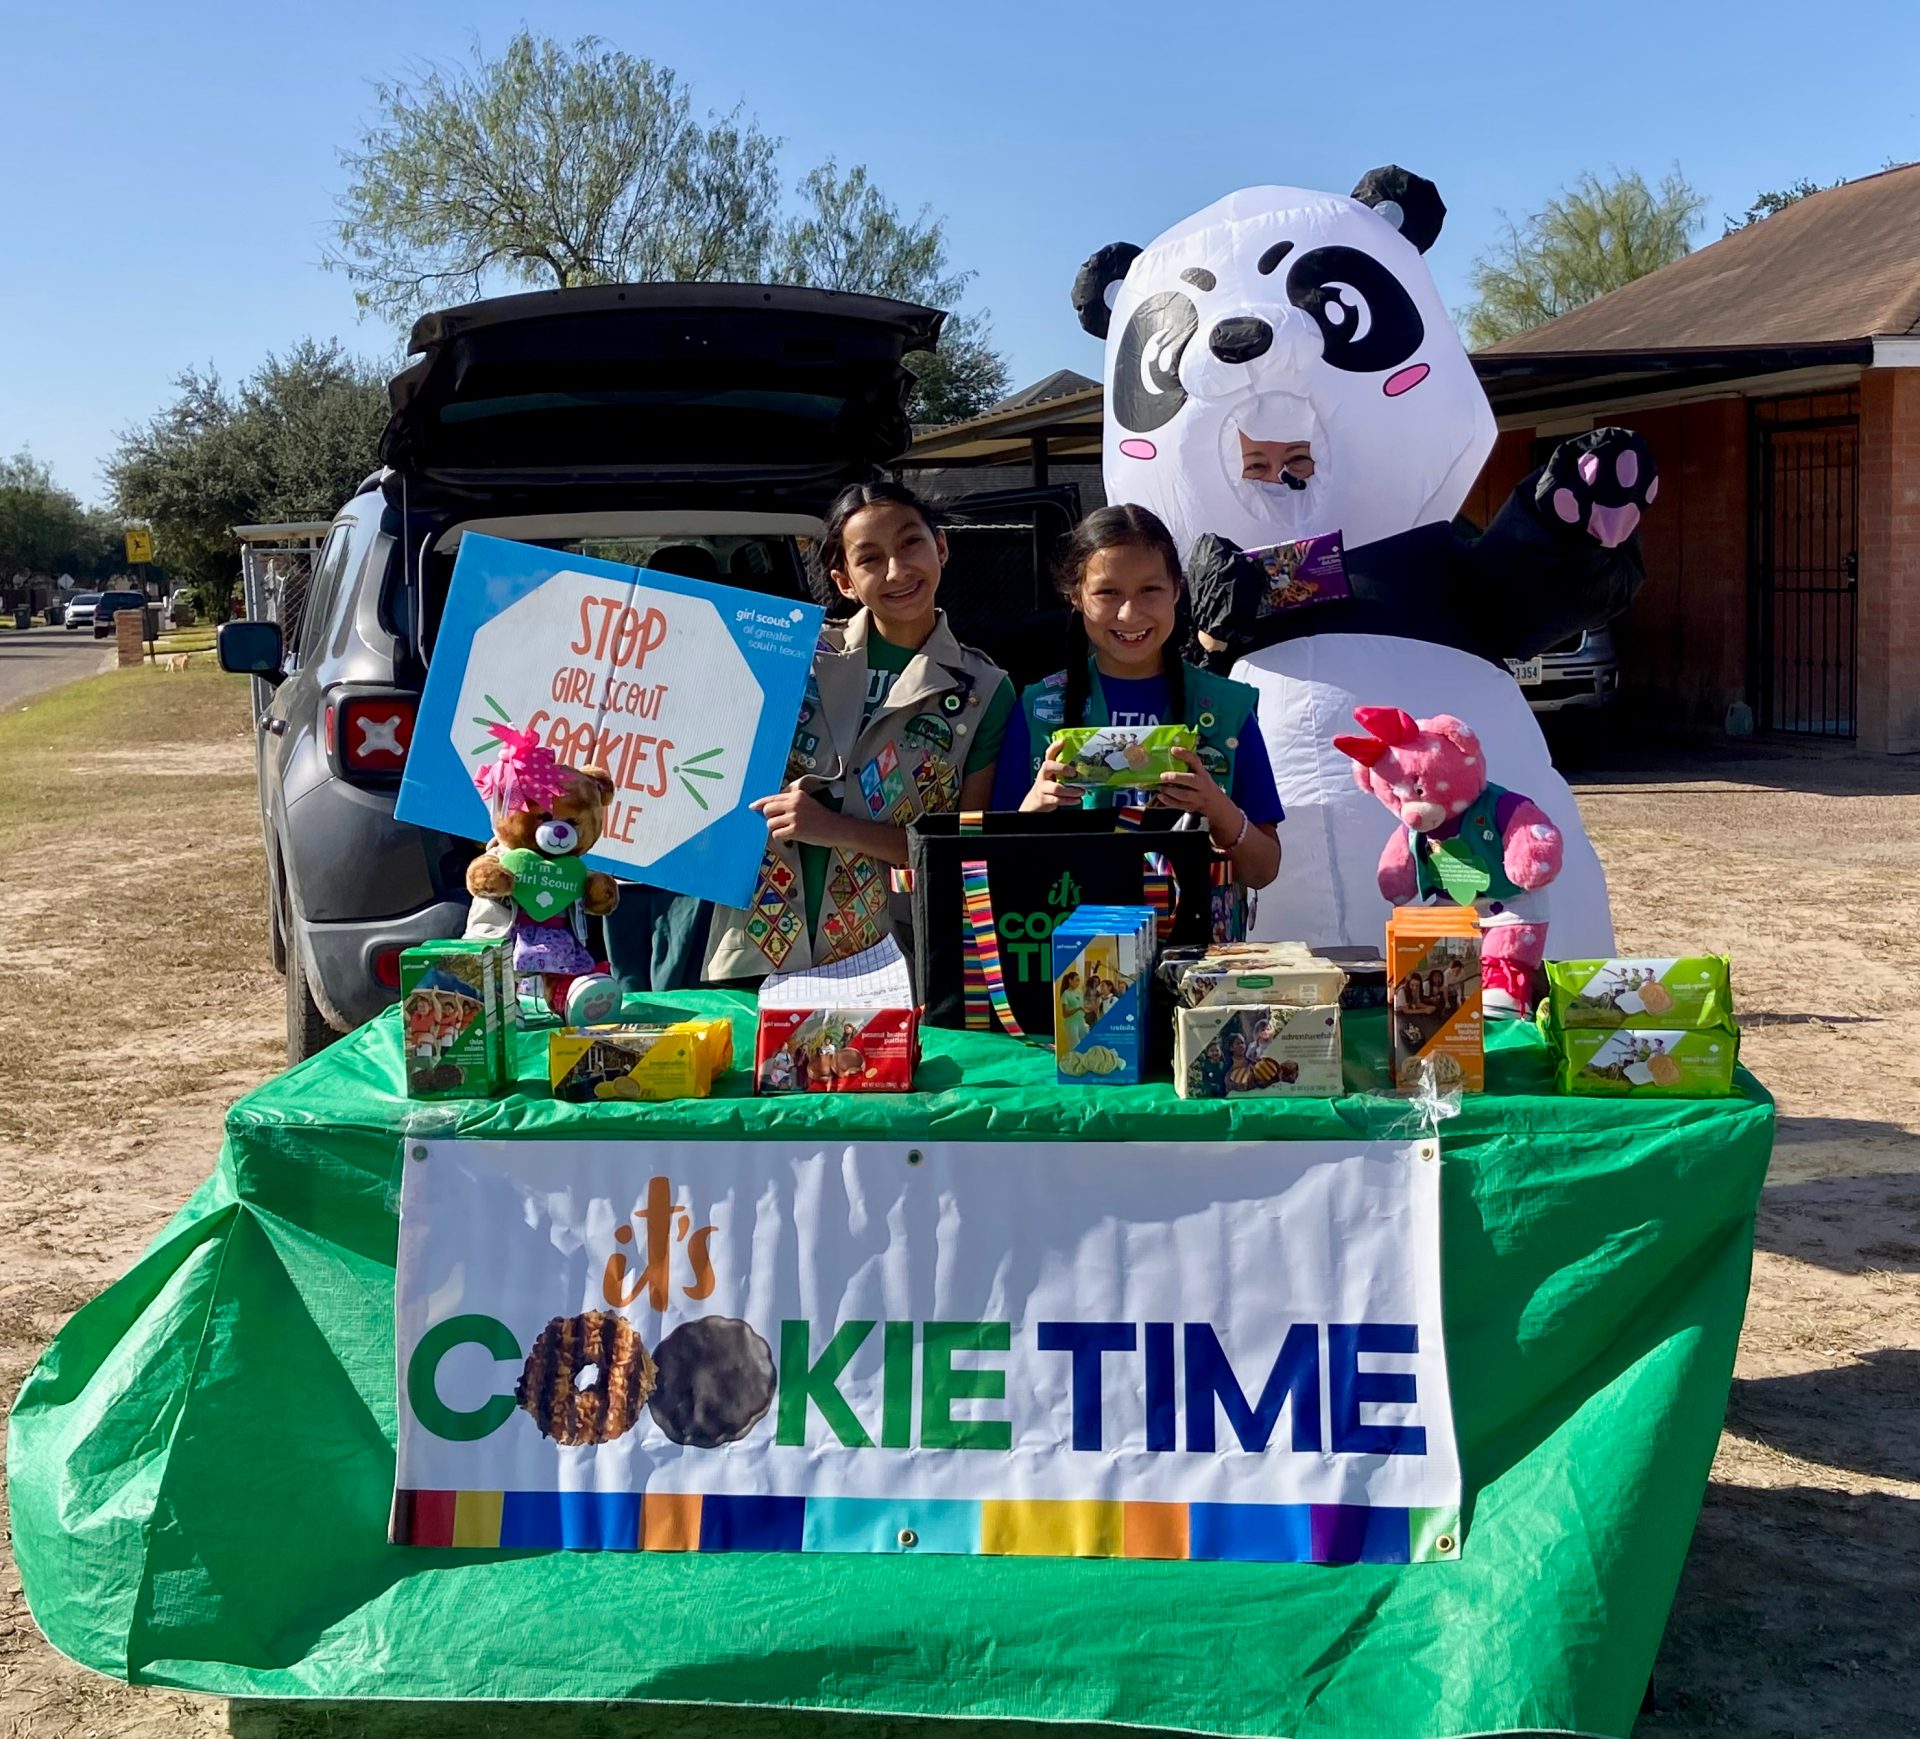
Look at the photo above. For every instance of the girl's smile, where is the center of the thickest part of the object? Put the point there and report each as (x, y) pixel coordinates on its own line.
(1127, 600)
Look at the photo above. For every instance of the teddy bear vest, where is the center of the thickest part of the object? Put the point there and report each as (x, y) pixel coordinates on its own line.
(905, 761)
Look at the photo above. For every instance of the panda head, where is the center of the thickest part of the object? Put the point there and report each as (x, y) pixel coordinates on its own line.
(1280, 365)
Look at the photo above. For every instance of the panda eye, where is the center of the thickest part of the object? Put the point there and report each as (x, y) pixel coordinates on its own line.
(1347, 309)
(1146, 365)
(1368, 323)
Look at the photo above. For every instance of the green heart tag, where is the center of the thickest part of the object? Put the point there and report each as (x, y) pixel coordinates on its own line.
(1458, 871)
(543, 887)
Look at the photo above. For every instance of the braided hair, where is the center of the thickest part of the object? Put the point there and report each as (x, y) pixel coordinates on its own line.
(1119, 527)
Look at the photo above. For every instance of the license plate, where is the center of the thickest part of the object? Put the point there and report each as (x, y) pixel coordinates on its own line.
(1526, 671)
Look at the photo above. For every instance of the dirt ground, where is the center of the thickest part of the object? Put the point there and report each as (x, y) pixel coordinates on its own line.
(135, 1003)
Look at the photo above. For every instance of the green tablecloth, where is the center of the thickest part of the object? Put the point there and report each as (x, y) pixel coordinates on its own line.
(201, 1463)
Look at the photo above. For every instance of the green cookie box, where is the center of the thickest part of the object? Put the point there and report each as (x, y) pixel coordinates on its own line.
(1689, 995)
(1639, 1063)
(1123, 757)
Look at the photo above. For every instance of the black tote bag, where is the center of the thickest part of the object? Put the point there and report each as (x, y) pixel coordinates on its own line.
(1039, 868)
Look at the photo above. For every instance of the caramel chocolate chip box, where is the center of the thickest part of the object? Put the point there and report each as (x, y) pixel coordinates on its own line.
(1690, 994)
(1230, 1051)
(454, 1017)
(1644, 1063)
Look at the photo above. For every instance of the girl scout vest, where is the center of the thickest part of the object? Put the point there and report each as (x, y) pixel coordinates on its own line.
(1470, 864)
(1218, 708)
(906, 761)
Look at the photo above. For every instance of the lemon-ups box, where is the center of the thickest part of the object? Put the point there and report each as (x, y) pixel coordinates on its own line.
(455, 1024)
(645, 1063)
(1101, 959)
(1228, 1051)
(1643, 1063)
(1433, 979)
(1690, 994)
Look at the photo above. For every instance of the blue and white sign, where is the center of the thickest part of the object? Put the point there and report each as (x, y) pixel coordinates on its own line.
(686, 693)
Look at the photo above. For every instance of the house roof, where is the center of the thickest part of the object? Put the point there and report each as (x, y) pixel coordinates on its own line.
(1067, 425)
(1056, 385)
(1840, 265)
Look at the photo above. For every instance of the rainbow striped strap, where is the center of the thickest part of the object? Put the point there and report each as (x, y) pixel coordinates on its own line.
(984, 980)
(899, 879)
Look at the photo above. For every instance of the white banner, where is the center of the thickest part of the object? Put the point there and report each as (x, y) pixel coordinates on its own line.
(998, 1346)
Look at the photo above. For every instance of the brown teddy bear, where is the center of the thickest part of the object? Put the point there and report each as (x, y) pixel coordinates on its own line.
(546, 818)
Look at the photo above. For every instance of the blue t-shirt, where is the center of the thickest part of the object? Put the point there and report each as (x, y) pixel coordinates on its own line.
(1145, 702)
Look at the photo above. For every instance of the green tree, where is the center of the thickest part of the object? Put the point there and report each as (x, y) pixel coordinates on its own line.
(45, 532)
(849, 236)
(1588, 240)
(557, 165)
(1766, 204)
(293, 442)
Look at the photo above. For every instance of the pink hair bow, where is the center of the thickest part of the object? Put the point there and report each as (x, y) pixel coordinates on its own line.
(525, 775)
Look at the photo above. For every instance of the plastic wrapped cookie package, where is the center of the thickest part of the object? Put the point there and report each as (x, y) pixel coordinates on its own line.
(1123, 757)
(1691, 994)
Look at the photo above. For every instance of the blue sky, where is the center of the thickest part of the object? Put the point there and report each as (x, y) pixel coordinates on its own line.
(167, 172)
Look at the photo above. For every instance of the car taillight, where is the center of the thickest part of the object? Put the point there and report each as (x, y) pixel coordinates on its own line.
(386, 968)
(369, 735)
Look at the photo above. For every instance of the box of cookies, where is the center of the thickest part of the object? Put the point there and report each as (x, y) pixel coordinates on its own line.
(635, 1063)
(454, 1022)
(1646, 1063)
(1101, 958)
(1689, 994)
(1123, 757)
(1228, 1051)
(1433, 975)
(1252, 973)
(836, 1050)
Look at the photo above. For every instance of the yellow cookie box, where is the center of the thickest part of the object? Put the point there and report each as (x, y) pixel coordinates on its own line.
(638, 1063)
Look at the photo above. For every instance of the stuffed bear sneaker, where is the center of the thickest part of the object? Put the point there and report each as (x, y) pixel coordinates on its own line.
(592, 1000)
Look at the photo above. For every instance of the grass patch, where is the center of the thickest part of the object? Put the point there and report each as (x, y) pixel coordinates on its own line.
(133, 875)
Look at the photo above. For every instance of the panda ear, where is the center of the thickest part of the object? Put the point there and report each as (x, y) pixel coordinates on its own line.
(1098, 282)
(1409, 202)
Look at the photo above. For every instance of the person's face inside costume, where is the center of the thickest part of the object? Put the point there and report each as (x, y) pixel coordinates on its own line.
(1128, 601)
(893, 563)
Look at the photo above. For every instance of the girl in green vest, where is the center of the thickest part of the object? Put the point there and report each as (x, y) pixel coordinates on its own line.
(900, 720)
(1122, 581)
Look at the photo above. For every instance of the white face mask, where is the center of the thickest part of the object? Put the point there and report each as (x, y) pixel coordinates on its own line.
(1298, 336)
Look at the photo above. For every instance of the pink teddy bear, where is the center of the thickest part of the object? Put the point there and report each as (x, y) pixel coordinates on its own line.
(1460, 838)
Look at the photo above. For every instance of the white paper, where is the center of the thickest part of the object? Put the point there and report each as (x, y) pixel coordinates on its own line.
(876, 977)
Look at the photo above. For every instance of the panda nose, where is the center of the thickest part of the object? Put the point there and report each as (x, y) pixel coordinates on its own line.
(1240, 339)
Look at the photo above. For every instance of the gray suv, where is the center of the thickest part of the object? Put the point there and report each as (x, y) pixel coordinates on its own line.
(700, 429)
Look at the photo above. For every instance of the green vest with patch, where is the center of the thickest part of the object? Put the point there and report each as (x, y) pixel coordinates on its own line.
(1220, 709)
(1470, 864)
(905, 761)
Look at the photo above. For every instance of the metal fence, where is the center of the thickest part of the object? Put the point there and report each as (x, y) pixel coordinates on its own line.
(276, 571)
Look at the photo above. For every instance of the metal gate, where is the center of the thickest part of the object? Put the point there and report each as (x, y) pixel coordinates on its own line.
(1805, 544)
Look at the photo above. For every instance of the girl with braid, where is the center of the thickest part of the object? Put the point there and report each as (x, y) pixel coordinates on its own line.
(1121, 579)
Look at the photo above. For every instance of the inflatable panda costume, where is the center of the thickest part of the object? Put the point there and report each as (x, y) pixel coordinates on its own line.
(1280, 366)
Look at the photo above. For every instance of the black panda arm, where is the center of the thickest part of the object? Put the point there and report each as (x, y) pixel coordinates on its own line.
(1542, 572)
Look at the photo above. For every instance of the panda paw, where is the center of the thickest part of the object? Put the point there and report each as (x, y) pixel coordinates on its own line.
(1600, 483)
(1224, 587)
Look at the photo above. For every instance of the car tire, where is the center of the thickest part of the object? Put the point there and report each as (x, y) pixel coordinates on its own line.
(308, 1033)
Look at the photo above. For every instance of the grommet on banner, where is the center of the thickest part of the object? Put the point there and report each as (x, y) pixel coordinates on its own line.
(1445, 1543)
(419, 1153)
(914, 1156)
(909, 1538)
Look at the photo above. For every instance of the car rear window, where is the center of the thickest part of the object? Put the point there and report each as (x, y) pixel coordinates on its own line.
(121, 601)
(770, 565)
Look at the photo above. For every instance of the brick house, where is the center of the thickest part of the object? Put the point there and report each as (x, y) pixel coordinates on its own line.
(1776, 376)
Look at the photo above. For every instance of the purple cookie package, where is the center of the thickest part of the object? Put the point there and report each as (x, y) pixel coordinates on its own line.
(1308, 572)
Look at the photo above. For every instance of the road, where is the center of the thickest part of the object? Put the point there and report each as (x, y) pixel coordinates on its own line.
(33, 659)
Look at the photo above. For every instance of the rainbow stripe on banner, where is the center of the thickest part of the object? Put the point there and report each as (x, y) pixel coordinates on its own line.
(590, 1521)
